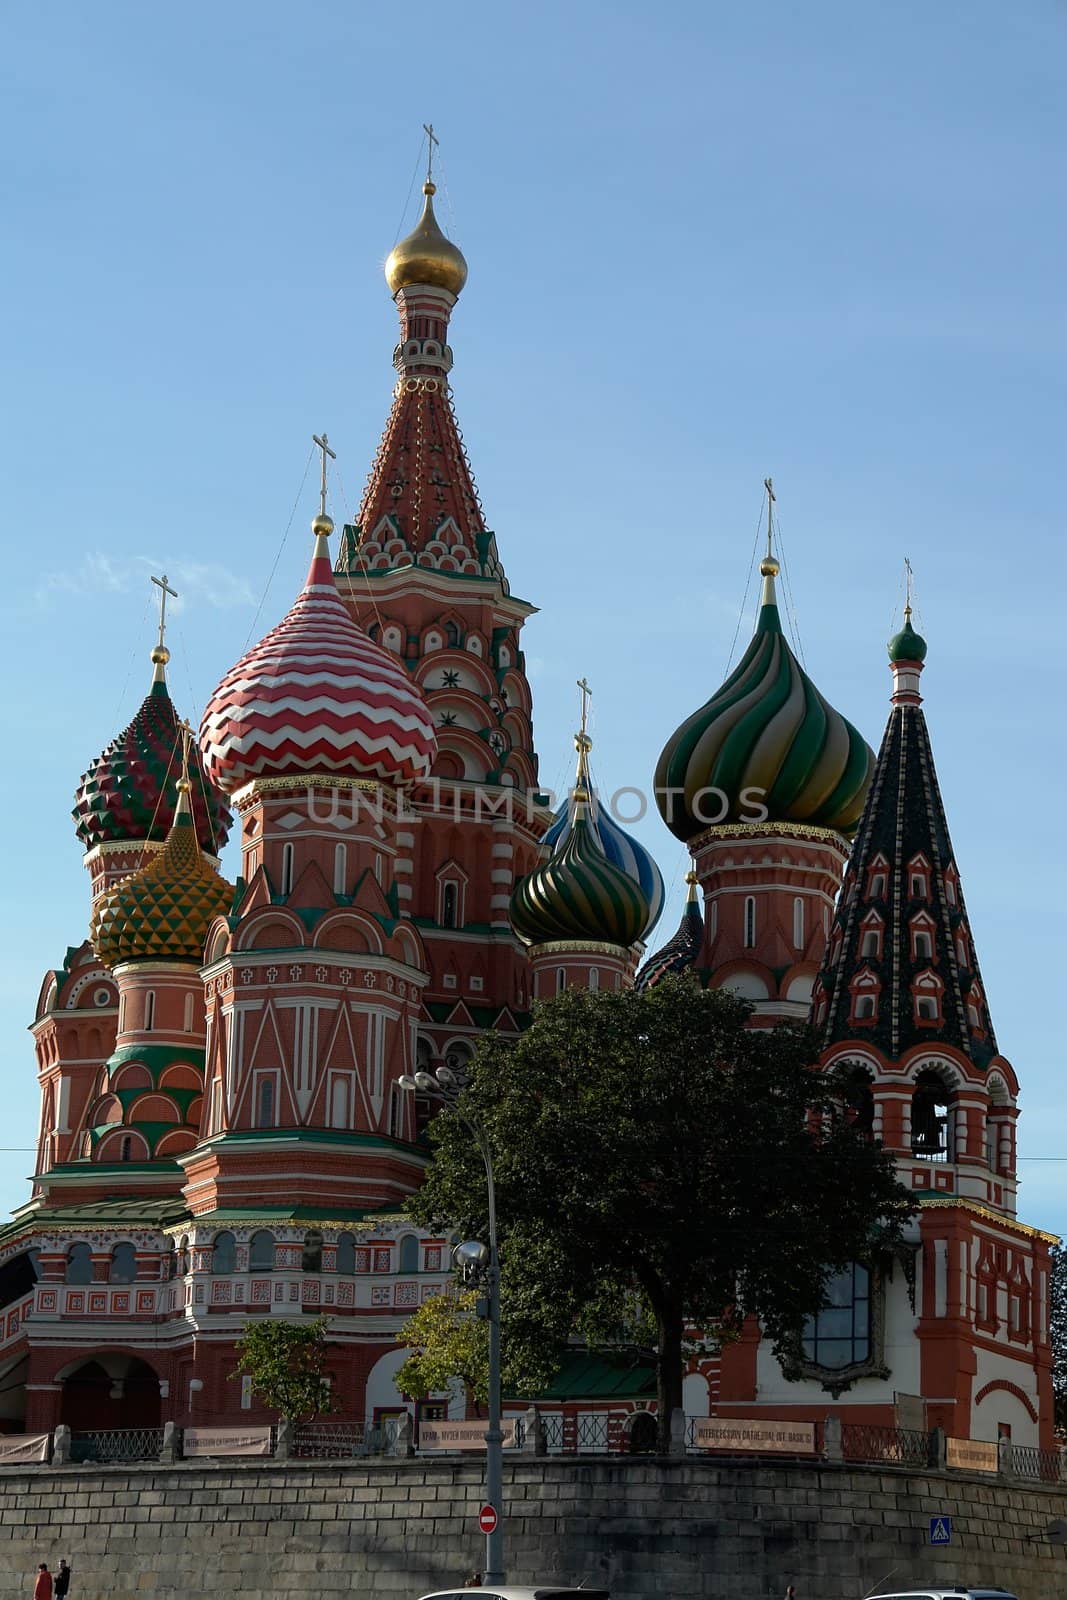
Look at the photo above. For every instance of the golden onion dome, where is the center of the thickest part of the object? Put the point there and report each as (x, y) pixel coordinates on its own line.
(426, 256)
(163, 912)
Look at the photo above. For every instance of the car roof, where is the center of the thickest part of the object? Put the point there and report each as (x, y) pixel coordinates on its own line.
(952, 1591)
(509, 1591)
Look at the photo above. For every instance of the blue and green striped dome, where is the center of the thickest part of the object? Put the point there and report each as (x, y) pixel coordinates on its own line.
(766, 738)
(578, 895)
(621, 849)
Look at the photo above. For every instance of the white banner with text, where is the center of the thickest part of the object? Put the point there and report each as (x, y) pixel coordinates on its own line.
(754, 1433)
(226, 1442)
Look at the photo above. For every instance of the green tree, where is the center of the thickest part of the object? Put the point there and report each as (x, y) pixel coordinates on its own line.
(1058, 1335)
(448, 1340)
(651, 1146)
(286, 1362)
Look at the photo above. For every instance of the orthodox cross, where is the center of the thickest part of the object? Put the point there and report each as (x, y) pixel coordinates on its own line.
(324, 445)
(587, 695)
(432, 139)
(909, 580)
(164, 589)
(769, 486)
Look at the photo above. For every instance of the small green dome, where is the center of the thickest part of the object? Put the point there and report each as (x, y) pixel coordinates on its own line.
(577, 894)
(907, 645)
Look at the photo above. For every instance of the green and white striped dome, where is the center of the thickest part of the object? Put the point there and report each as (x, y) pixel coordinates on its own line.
(766, 738)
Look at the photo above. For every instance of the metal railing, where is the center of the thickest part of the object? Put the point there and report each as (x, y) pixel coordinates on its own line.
(874, 1445)
(342, 1441)
(1025, 1461)
(117, 1444)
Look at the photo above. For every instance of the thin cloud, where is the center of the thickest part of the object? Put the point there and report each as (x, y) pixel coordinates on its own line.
(199, 583)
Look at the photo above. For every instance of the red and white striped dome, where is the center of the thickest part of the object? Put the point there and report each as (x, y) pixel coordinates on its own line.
(316, 695)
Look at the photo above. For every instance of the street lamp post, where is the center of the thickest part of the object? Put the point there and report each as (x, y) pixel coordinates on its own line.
(482, 1264)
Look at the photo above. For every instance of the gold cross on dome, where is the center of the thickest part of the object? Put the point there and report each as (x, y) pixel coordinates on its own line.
(587, 695)
(432, 139)
(164, 589)
(324, 446)
(909, 582)
(769, 486)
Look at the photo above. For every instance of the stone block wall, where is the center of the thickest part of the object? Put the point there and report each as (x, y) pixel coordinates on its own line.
(693, 1529)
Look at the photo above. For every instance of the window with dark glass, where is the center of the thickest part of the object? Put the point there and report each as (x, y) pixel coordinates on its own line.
(261, 1251)
(79, 1264)
(224, 1253)
(346, 1253)
(409, 1253)
(840, 1335)
(311, 1259)
(122, 1267)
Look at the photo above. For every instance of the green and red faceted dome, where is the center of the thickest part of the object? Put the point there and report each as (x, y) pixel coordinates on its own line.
(766, 738)
(317, 695)
(130, 791)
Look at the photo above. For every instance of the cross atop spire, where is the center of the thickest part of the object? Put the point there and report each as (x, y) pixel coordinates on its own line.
(431, 141)
(769, 486)
(160, 654)
(322, 526)
(582, 742)
(909, 588)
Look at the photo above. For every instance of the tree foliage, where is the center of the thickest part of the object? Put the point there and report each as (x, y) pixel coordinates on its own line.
(286, 1362)
(448, 1339)
(1058, 1335)
(651, 1148)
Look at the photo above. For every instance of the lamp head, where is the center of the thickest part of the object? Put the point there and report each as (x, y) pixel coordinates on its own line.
(425, 1080)
(471, 1257)
(407, 1082)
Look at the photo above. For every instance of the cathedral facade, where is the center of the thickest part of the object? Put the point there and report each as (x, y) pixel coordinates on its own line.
(222, 1135)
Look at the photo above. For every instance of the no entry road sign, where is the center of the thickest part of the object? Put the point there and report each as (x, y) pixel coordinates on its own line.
(487, 1519)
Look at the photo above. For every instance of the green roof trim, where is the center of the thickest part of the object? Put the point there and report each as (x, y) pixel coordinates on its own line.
(585, 1376)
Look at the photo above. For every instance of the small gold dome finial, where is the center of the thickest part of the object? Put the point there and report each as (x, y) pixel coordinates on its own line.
(426, 256)
(160, 655)
(769, 567)
(322, 525)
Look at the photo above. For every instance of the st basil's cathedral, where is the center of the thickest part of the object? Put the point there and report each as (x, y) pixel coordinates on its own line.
(221, 1131)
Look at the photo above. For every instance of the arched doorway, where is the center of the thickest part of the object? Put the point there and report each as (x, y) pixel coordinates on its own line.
(110, 1391)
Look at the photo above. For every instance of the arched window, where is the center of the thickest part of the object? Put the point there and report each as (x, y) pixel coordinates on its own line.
(187, 1023)
(122, 1268)
(713, 919)
(340, 868)
(931, 1118)
(409, 1254)
(872, 943)
(840, 1334)
(183, 1255)
(346, 1253)
(866, 1007)
(287, 869)
(926, 1008)
(126, 1148)
(261, 1251)
(449, 904)
(750, 922)
(79, 1264)
(798, 922)
(561, 979)
(859, 1102)
(224, 1252)
(396, 1114)
(594, 979)
(922, 945)
(265, 1103)
(149, 1011)
(311, 1258)
(451, 634)
(878, 886)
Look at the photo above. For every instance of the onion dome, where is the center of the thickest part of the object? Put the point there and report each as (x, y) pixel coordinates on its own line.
(577, 894)
(680, 952)
(163, 912)
(316, 695)
(426, 256)
(907, 645)
(619, 847)
(130, 791)
(766, 737)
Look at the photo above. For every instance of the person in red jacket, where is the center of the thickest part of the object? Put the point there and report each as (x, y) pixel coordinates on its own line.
(42, 1589)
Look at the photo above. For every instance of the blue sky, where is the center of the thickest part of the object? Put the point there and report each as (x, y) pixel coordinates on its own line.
(706, 243)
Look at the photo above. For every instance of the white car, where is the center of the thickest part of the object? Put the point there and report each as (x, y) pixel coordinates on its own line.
(548, 1591)
(955, 1591)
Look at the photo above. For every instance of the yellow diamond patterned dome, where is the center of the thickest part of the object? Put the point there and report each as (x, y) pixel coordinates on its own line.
(163, 912)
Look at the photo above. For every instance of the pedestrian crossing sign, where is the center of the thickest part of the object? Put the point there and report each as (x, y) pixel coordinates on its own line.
(940, 1530)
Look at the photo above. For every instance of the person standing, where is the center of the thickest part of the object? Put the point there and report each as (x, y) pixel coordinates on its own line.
(790, 1593)
(42, 1589)
(62, 1583)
